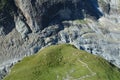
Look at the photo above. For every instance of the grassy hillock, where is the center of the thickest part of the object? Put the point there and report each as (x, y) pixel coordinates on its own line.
(63, 62)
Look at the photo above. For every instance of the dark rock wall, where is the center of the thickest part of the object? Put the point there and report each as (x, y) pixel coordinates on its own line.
(39, 14)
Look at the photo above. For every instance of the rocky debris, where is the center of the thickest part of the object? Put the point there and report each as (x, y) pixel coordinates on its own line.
(5, 67)
(3, 72)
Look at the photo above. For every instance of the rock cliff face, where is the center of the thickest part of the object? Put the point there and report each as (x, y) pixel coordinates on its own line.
(91, 25)
(39, 13)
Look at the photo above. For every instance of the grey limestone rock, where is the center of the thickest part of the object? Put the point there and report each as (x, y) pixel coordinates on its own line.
(22, 28)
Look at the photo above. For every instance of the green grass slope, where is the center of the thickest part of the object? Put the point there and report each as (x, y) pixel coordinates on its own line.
(63, 62)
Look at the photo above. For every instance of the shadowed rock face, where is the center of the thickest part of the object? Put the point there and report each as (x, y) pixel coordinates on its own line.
(39, 14)
(7, 13)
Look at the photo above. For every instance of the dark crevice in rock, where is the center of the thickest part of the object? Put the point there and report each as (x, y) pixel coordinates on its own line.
(7, 16)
